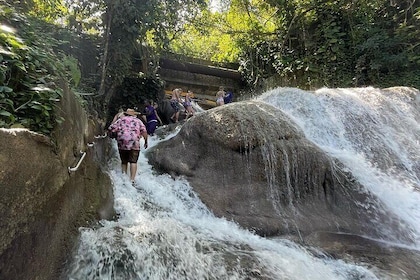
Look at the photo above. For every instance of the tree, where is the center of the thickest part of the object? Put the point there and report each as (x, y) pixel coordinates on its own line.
(84, 16)
(47, 10)
(131, 25)
(323, 42)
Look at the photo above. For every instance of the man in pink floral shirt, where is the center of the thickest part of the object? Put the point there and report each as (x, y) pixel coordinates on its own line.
(129, 130)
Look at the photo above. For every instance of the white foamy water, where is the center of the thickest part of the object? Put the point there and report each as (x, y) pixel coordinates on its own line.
(163, 231)
(374, 133)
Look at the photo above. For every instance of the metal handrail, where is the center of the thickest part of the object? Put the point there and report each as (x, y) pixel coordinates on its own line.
(91, 144)
(100, 136)
(73, 169)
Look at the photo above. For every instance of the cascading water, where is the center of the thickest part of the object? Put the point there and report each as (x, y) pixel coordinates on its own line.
(163, 231)
(374, 133)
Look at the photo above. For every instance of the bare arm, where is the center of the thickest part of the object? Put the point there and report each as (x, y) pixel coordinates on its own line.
(116, 117)
(157, 116)
(144, 134)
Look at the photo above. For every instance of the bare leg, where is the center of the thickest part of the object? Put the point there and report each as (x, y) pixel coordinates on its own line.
(133, 171)
(124, 168)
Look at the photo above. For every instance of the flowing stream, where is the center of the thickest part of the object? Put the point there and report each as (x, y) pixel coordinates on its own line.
(374, 133)
(163, 231)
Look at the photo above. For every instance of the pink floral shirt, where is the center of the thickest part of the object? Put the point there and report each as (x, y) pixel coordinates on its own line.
(129, 131)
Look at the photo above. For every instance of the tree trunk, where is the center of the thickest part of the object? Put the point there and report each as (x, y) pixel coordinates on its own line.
(102, 87)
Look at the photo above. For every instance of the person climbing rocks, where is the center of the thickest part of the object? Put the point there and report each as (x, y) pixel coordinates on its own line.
(228, 97)
(175, 99)
(129, 129)
(220, 96)
(189, 110)
(151, 117)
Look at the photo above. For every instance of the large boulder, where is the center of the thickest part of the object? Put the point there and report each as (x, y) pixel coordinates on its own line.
(42, 204)
(166, 111)
(249, 163)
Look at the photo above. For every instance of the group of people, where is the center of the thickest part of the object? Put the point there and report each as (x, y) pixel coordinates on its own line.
(127, 128)
(176, 100)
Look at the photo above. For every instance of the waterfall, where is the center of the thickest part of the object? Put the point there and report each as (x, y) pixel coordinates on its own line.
(375, 133)
(164, 231)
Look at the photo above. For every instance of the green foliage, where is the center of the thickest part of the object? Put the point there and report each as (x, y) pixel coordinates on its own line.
(73, 71)
(84, 16)
(342, 44)
(29, 72)
(134, 91)
(307, 43)
(223, 35)
(135, 27)
(312, 43)
(46, 10)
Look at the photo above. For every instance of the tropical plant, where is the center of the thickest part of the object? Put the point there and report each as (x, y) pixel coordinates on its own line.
(133, 26)
(29, 73)
(311, 43)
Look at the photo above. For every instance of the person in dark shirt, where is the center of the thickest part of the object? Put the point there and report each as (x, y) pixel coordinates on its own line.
(152, 117)
(228, 98)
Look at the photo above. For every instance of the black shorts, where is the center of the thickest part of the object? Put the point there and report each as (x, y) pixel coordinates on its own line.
(175, 105)
(129, 156)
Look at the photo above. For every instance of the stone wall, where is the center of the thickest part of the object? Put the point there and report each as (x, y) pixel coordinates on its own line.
(203, 80)
(42, 205)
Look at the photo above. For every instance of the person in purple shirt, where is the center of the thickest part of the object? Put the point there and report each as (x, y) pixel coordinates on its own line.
(128, 130)
(152, 117)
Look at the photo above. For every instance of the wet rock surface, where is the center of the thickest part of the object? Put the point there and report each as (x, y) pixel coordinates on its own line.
(386, 260)
(42, 205)
(249, 163)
